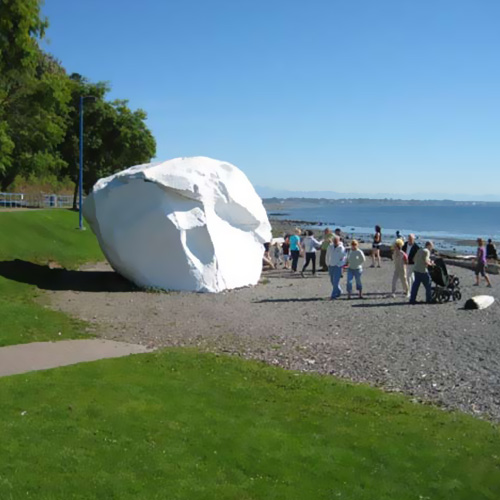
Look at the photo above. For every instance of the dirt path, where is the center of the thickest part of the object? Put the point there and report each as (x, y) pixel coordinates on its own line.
(437, 353)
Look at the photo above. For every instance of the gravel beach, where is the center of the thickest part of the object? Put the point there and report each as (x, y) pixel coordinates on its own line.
(436, 353)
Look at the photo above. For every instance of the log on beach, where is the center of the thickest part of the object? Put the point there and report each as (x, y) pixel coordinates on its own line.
(385, 251)
(479, 302)
(491, 268)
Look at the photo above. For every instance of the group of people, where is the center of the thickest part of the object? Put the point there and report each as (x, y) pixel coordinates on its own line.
(411, 262)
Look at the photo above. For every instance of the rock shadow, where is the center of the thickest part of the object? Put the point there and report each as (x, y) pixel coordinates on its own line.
(46, 278)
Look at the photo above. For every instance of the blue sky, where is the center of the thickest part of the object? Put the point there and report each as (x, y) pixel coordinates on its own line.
(364, 96)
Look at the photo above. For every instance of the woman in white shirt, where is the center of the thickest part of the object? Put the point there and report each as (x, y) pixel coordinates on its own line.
(355, 261)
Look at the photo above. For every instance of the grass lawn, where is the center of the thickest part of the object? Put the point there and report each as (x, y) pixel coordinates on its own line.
(39, 237)
(183, 425)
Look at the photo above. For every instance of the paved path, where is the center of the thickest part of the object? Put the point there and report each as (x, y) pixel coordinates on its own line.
(43, 355)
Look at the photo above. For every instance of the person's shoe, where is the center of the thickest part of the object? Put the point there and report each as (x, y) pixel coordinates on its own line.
(361, 296)
(373, 265)
(378, 265)
(475, 284)
(393, 295)
(488, 285)
(302, 273)
(348, 296)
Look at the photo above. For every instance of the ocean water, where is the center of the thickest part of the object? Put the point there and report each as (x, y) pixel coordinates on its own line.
(440, 223)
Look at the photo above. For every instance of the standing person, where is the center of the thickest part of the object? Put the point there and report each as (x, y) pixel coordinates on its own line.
(400, 259)
(277, 255)
(285, 248)
(335, 259)
(410, 248)
(491, 250)
(327, 240)
(355, 261)
(310, 244)
(338, 232)
(481, 263)
(295, 248)
(422, 262)
(377, 241)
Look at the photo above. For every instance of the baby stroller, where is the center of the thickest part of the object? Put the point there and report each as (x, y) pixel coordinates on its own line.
(446, 286)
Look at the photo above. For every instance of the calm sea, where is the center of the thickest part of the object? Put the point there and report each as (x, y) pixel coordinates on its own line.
(451, 222)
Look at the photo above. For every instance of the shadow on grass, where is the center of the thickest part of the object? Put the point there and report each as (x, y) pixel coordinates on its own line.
(46, 278)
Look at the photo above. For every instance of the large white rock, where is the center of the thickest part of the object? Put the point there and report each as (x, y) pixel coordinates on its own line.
(185, 224)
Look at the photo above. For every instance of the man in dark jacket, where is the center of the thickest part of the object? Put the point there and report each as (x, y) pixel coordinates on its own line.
(410, 248)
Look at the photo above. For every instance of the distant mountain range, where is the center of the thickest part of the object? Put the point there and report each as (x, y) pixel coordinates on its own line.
(267, 192)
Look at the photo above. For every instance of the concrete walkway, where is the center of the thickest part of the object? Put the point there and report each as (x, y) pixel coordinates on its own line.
(43, 355)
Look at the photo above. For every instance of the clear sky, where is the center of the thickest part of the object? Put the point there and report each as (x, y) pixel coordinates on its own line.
(365, 96)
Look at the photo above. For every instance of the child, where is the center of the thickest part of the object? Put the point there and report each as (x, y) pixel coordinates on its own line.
(277, 254)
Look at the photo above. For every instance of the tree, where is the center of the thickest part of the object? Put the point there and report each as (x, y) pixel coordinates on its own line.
(34, 93)
(39, 110)
(115, 137)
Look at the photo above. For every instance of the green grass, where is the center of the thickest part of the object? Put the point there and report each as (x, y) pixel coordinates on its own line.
(40, 237)
(184, 425)
(44, 235)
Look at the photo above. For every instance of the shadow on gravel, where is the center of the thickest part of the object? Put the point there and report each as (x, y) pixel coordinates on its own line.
(388, 304)
(46, 278)
(309, 299)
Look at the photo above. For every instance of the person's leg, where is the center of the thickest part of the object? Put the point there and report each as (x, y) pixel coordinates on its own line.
(378, 257)
(414, 289)
(426, 280)
(484, 275)
(409, 275)
(337, 274)
(313, 259)
(373, 256)
(403, 279)
(487, 278)
(308, 259)
(359, 285)
(350, 276)
(322, 260)
(331, 274)
(394, 280)
(295, 259)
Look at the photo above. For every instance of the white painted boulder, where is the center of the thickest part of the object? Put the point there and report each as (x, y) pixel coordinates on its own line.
(192, 224)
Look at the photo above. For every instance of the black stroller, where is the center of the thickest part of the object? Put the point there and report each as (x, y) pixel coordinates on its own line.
(446, 286)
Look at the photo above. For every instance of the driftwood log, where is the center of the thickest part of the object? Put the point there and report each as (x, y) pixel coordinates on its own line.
(491, 268)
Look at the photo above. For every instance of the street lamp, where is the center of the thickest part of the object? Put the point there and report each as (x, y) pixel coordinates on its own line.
(80, 183)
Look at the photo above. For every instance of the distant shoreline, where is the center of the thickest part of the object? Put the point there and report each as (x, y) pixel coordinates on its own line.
(286, 203)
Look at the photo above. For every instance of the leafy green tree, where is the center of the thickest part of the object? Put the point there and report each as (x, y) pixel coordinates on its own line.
(115, 137)
(39, 111)
(34, 93)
